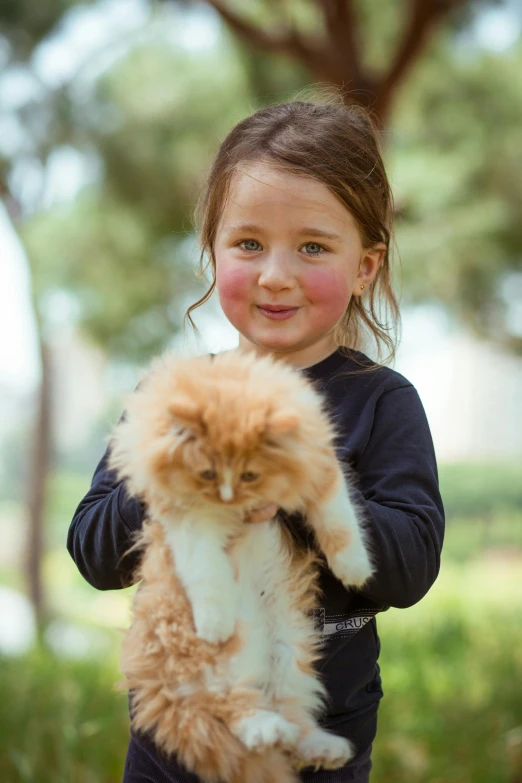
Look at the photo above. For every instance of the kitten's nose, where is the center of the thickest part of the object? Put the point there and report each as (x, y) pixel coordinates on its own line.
(226, 492)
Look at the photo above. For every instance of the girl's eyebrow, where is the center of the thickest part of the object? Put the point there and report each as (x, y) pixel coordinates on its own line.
(305, 231)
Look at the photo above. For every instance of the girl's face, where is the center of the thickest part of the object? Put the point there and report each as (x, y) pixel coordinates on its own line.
(288, 260)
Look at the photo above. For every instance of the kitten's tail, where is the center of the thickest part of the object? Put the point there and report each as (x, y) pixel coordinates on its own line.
(272, 767)
(210, 750)
(200, 737)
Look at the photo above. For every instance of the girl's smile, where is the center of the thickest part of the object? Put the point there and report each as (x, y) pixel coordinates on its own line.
(288, 259)
(279, 313)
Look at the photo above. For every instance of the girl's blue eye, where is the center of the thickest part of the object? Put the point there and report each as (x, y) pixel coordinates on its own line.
(244, 244)
(317, 249)
(252, 245)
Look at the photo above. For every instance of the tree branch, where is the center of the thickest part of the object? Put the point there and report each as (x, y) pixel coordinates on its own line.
(423, 15)
(289, 42)
(336, 58)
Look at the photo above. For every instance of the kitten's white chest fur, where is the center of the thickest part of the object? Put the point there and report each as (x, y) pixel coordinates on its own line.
(271, 626)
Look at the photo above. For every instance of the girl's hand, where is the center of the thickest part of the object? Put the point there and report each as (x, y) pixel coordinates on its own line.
(261, 513)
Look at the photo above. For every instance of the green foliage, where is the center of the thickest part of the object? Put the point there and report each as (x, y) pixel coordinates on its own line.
(126, 283)
(26, 23)
(452, 710)
(65, 492)
(470, 537)
(454, 157)
(120, 250)
(479, 489)
(61, 721)
(158, 139)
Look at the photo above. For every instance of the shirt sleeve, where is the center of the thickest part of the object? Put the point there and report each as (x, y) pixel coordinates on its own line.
(102, 529)
(399, 491)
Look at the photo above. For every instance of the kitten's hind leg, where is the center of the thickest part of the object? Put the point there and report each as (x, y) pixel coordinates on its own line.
(319, 748)
(299, 703)
(337, 524)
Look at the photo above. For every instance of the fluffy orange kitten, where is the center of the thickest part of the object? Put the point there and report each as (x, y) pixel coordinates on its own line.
(221, 650)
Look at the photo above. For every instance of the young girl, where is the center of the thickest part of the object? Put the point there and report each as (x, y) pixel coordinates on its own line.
(296, 221)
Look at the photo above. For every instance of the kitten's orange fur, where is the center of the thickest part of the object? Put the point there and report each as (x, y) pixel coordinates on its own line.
(205, 441)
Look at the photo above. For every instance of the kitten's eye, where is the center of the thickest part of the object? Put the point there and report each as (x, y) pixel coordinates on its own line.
(208, 475)
(249, 476)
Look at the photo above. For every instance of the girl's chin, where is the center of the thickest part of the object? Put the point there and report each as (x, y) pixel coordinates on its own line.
(276, 342)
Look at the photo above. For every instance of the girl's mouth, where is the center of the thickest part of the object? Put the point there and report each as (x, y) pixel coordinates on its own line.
(277, 313)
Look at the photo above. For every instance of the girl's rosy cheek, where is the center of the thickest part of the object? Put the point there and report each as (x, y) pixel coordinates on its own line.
(328, 287)
(233, 284)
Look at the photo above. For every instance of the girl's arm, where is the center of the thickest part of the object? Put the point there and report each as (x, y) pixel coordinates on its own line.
(399, 491)
(101, 531)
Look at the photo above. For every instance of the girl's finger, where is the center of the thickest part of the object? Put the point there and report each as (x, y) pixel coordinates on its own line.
(262, 514)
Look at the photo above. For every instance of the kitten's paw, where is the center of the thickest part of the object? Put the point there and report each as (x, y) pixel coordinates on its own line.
(266, 728)
(321, 749)
(214, 623)
(352, 566)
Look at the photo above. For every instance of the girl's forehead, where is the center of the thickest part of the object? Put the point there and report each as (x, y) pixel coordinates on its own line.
(262, 190)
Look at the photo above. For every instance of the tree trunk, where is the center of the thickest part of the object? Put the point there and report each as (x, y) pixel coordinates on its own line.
(39, 468)
(40, 453)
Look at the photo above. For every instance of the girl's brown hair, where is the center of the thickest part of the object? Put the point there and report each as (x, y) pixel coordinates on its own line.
(337, 145)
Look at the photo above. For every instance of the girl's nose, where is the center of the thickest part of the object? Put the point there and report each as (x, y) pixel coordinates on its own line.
(276, 273)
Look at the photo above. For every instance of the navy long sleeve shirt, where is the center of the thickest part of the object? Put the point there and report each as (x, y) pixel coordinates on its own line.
(383, 435)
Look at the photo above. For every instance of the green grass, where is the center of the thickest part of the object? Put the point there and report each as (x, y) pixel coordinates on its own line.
(60, 721)
(452, 673)
(479, 489)
(469, 537)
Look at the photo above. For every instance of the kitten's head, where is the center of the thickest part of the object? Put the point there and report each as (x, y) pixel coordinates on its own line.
(233, 430)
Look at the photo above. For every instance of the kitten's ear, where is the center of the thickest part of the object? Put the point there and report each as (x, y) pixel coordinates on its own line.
(184, 411)
(282, 422)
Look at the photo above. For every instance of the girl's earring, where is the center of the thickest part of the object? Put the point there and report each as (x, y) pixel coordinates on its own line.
(362, 287)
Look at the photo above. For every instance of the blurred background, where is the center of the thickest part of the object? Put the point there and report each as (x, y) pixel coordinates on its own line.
(110, 113)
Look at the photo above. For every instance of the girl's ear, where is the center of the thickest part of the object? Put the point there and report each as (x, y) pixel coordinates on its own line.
(282, 422)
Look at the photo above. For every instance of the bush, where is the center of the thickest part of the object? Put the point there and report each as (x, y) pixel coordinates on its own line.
(454, 707)
(480, 489)
(61, 721)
